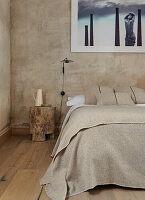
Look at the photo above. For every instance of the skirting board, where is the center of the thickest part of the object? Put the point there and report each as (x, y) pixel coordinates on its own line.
(20, 131)
(4, 135)
(26, 131)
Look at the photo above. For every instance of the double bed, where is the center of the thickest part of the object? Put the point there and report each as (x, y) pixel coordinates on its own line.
(98, 145)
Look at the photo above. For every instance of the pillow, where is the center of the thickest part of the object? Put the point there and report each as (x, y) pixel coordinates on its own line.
(142, 105)
(139, 95)
(90, 94)
(105, 89)
(123, 98)
(126, 90)
(79, 99)
(106, 99)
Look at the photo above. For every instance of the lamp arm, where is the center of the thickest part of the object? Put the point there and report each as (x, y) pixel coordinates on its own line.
(63, 82)
(63, 68)
(62, 91)
(62, 95)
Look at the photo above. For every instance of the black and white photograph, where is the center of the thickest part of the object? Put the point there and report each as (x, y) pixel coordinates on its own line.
(113, 25)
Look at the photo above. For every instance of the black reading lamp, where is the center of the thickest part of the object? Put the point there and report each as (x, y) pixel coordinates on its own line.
(64, 61)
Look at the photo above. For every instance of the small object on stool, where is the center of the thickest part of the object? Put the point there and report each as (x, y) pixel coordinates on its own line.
(42, 122)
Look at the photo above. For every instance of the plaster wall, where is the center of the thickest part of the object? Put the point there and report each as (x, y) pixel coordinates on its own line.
(4, 64)
(40, 39)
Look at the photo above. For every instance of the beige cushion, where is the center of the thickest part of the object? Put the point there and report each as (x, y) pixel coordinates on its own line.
(139, 95)
(90, 95)
(123, 98)
(106, 99)
(126, 90)
(105, 89)
(93, 91)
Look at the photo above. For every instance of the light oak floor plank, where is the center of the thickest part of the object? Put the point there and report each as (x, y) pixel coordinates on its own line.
(7, 149)
(16, 161)
(24, 162)
(24, 186)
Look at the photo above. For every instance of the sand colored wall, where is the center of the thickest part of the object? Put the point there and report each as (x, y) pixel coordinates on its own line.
(4, 64)
(40, 38)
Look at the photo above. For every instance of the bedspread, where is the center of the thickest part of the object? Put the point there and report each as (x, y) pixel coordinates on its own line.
(99, 145)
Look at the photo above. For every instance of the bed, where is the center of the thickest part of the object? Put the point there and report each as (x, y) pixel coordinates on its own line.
(98, 145)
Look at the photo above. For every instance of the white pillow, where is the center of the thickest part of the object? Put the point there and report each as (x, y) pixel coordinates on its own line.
(140, 105)
(79, 99)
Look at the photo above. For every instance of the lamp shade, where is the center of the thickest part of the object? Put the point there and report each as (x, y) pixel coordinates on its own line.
(66, 60)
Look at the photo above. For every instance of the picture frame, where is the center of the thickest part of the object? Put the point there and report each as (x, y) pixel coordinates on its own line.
(106, 40)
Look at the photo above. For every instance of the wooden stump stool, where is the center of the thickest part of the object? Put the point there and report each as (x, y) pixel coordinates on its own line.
(42, 122)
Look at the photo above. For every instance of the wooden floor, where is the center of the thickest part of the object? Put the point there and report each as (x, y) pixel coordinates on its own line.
(22, 164)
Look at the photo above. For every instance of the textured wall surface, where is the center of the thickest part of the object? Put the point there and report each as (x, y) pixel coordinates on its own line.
(4, 64)
(40, 38)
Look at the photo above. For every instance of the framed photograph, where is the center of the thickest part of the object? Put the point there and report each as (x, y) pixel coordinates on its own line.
(108, 26)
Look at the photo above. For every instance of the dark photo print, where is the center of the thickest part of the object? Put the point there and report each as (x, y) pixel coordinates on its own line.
(103, 23)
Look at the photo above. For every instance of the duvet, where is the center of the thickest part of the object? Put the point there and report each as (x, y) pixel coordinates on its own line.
(98, 145)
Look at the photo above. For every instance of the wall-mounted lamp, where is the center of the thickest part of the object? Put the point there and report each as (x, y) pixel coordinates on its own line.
(64, 61)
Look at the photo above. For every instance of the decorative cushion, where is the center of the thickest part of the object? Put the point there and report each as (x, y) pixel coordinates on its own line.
(105, 89)
(123, 98)
(126, 90)
(90, 94)
(106, 98)
(139, 95)
(93, 91)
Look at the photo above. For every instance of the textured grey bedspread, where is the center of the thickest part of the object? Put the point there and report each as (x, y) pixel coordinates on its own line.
(99, 145)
